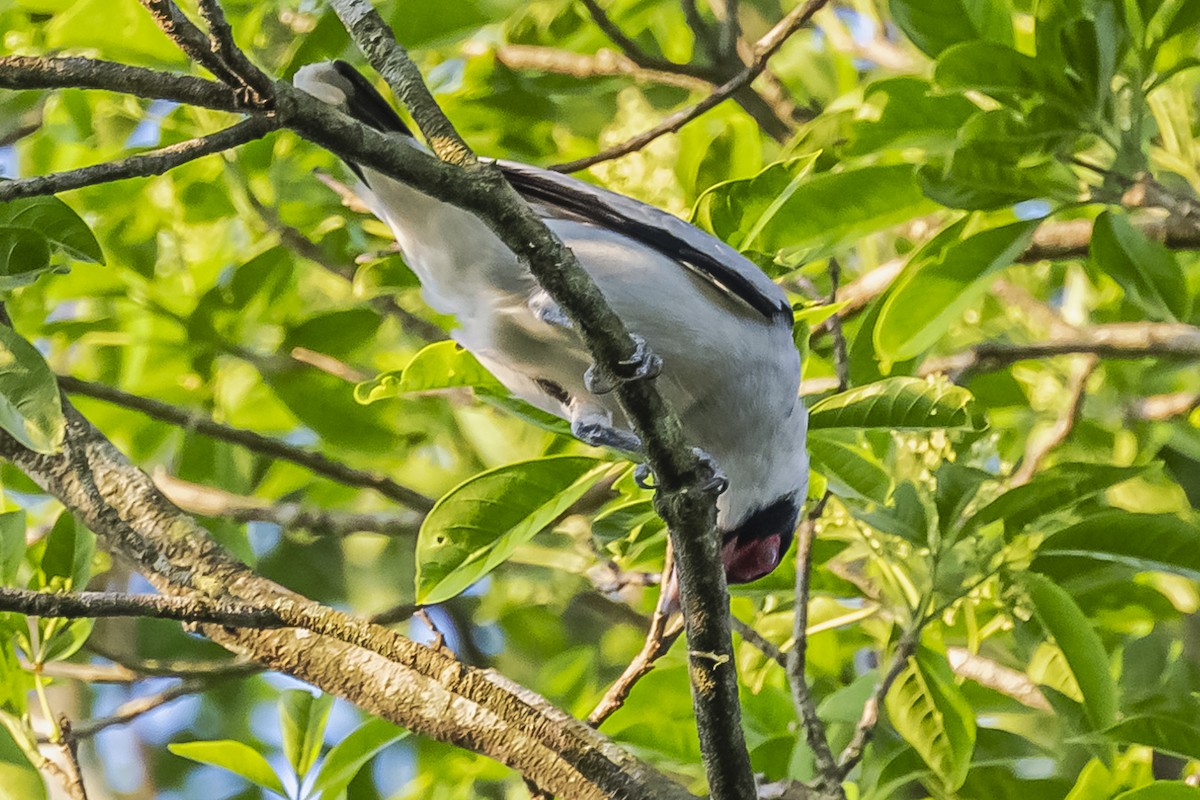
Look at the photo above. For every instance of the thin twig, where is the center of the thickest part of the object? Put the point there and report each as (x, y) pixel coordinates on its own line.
(131, 710)
(763, 50)
(167, 668)
(68, 745)
(211, 502)
(223, 46)
(601, 64)
(628, 46)
(192, 41)
(316, 462)
(659, 638)
(153, 162)
(865, 728)
(1039, 445)
(829, 782)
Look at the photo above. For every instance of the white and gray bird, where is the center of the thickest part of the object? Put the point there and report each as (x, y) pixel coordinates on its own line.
(722, 329)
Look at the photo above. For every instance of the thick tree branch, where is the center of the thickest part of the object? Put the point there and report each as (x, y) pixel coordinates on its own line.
(385, 674)
(265, 445)
(153, 162)
(766, 47)
(45, 72)
(689, 509)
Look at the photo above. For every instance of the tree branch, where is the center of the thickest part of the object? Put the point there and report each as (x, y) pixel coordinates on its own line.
(383, 673)
(763, 50)
(153, 162)
(602, 64)
(1039, 444)
(265, 445)
(45, 72)
(853, 751)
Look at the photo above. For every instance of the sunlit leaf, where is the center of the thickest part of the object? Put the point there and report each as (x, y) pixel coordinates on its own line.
(1051, 490)
(12, 545)
(934, 25)
(1162, 790)
(237, 757)
(442, 365)
(929, 711)
(846, 463)
(1077, 638)
(30, 407)
(302, 718)
(1142, 541)
(478, 524)
(348, 756)
(942, 280)
(1147, 271)
(1168, 734)
(898, 404)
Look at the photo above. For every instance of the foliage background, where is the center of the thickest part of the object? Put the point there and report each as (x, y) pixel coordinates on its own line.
(925, 118)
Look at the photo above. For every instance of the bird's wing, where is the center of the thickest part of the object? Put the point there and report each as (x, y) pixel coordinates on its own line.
(705, 255)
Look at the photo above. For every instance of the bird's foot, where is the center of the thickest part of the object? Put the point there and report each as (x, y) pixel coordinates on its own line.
(641, 365)
(643, 476)
(600, 435)
(712, 478)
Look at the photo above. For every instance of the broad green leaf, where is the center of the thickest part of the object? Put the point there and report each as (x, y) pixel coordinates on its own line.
(900, 113)
(632, 534)
(737, 211)
(1145, 269)
(24, 256)
(69, 550)
(1141, 541)
(898, 404)
(30, 406)
(442, 365)
(1167, 734)
(1058, 488)
(20, 782)
(845, 462)
(926, 707)
(67, 640)
(348, 756)
(832, 209)
(981, 177)
(957, 485)
(56, 221)
(1075, 636)
(478, 524)
(906, 517)
(1162, 790)
(934, 25)
(12, 546)
(302, 718)
(939, 283)
(237, 757)
(1003, 73)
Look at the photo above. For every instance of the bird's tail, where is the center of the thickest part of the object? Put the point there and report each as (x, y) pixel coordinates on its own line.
(343, 87)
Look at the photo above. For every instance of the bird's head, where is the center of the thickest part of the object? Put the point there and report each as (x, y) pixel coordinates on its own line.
(756, 546)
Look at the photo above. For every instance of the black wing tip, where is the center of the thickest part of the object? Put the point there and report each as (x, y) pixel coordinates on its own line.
(366, 104)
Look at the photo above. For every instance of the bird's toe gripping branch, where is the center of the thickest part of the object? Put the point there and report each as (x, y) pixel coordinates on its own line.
(643, 364)
(712, 478)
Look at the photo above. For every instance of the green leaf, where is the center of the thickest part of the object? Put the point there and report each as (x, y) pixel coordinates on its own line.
(69, 550)
(981, 176)
(68, 639)
(737, 211)
(1167, 734)
(237, 757)
(906, 518)
(898, 404)
(1146, 270)
(822, 213)
(957, 485)
(30, 407)
(12, 546)
(1142, 541)
(854, 467)
(442, 365)
(56, 221)
(348, 756)
(934, 25)
(905, 112)
(941, 281)
(1080, 645)
(1056, 489)
(478, 524)
(1003, 73)
(20, 782)
(302, 718)
(926, 707)
(24, 256)
(1162, 790)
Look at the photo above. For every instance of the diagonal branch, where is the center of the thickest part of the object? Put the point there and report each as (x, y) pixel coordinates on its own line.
(265, 445)
(153, 162)
(766, 47)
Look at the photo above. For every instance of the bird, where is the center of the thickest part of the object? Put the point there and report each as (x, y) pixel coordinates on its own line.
(715, 331)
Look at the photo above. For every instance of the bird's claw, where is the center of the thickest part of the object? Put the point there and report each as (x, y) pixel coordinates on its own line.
(712, 479)
(643, 476)
(641, 365)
